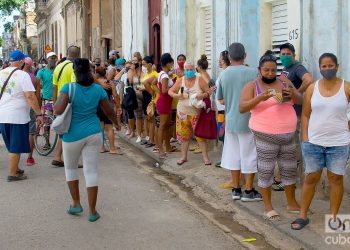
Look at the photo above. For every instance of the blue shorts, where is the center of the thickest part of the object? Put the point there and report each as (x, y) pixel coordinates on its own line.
(16, 137)
(317, 157)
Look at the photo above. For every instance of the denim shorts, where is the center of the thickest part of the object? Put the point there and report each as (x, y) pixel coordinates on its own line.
(317, 157)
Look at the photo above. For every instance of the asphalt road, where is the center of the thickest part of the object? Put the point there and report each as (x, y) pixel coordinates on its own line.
(136, 212)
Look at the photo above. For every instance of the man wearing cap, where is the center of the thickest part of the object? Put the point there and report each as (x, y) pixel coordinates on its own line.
(27, 67)
(46, 74)
(301, 80)
(18, 95)
(112, 57)
(62, 75)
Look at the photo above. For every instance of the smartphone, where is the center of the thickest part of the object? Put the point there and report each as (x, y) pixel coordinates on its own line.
(285, 98)
(285, 73)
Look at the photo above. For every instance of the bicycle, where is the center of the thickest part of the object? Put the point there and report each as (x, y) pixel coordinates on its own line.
(46, 139)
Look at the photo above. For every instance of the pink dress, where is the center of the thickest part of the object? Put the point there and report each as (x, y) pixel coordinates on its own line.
(164, 101)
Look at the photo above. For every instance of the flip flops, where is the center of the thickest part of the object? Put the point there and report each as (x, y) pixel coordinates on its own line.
(301, 223)
(180, 162)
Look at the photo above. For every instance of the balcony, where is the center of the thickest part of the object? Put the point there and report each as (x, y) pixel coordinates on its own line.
(41, 10)
(41, 4)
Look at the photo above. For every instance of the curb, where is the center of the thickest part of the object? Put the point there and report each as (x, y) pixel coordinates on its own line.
(304, 237)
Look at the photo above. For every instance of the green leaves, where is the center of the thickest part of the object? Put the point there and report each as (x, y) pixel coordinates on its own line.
(7, 6)
(8, 27)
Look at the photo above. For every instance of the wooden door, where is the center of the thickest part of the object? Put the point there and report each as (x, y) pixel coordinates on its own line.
(155, 18)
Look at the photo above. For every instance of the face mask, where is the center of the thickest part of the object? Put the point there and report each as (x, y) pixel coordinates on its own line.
(287, 61)
(268, 80)
(329, 73)
(52, 64)
(136, 65)
(40, 66)
(181, 64)
(190, 73)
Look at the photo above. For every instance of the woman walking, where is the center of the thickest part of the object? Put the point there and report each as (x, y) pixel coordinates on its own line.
(187, 115)
(325, 136)
(273, 122)
(84, 135)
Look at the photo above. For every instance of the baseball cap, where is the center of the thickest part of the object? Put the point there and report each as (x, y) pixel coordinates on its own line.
(288, 46)
(16, 55)
(50, 54)
(112, 53)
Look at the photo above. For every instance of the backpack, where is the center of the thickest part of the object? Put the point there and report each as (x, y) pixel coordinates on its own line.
(129, 100)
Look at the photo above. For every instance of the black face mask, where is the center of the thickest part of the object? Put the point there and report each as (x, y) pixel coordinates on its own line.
(268, 80)
(136, 65)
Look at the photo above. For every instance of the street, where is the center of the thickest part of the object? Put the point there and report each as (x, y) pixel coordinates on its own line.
(136, 212)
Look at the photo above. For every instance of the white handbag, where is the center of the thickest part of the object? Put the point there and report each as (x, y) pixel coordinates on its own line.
(61, 124)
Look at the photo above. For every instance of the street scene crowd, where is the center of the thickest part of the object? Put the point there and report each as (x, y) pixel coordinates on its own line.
(265, 119)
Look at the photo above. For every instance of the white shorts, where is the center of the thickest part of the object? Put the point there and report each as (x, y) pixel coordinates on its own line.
(239, 152)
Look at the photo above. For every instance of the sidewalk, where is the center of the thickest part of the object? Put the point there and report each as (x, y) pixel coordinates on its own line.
(208, 179)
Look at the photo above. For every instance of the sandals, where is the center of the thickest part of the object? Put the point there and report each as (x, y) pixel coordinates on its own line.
(301, 223)
(57, 163)
(207, 163)
(117, 152)
(272, 216)
(162, 156)
(180, 162)
(173, 149)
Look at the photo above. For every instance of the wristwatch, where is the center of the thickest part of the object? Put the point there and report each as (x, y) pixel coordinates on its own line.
(39, 115)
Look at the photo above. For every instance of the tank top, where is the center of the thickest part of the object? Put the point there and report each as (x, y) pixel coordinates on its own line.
(328, 124)
(184, 106)
(272, 116)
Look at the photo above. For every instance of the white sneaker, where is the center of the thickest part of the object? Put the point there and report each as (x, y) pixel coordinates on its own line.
(127, 132)
(138, 139)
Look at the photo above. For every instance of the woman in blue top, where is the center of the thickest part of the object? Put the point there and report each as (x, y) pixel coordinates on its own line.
(84, 136)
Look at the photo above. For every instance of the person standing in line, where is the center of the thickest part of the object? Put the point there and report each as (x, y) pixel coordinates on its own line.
(301, 80)
(273, 122)
(16, 98)
(86, 97)
(62, 75)
(239, 152)
(27, 67)
(113, 55)
(163, 105)
(224, 62)
(187, 115)
(325, 137)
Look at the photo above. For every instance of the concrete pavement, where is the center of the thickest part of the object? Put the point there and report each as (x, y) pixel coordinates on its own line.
(137, 211)
(207, 180)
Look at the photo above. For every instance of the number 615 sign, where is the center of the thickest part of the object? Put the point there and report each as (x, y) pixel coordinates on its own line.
(293, 34)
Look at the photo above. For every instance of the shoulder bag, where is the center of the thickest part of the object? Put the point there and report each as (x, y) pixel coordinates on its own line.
(61, 124)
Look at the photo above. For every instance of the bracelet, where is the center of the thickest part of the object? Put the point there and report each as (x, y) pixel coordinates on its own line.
(39, 115)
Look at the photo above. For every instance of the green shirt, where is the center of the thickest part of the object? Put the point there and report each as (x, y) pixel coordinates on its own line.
(45, 76)
(230, 85)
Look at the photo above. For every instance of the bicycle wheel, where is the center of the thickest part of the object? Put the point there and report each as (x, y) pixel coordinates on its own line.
(46, 138)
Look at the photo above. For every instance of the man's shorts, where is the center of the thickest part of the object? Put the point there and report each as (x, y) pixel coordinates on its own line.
(16, 137)
(32, 123)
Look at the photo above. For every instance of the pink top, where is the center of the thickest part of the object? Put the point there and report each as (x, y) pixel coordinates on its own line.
(273, 117)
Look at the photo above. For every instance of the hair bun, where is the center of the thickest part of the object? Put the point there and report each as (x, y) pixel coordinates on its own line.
(268, 52)
(204, 57)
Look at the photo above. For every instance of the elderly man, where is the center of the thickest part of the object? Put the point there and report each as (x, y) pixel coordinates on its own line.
(16, 97)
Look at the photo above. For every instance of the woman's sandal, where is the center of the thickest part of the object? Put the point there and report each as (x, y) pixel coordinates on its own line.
(180, 162)
(75, 210)
(162, 156)
(207, 163)
(272, 216)
(173, 149)
(301, 223)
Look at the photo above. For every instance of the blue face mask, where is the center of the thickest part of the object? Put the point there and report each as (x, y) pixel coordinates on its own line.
(190, 73)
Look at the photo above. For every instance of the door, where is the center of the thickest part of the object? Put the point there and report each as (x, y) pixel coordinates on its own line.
(155, 14)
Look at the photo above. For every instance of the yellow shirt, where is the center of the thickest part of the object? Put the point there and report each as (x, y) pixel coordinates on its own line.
(67, 75)
(145, 77)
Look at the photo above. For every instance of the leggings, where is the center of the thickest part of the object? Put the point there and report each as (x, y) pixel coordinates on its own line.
(89, 147)
(272, 148)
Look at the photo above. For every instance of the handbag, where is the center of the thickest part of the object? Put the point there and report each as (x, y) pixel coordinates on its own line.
(130, 99)
(206, 126)
(61, 124)
(150, 109)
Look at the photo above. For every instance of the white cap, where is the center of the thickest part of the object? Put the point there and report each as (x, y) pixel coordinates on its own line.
(112, 53)
(50, 54)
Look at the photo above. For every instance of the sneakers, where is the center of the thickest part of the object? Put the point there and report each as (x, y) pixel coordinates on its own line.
(253, 195)
(138, 140)
(30, 161)
(127, 132)
(236, 194)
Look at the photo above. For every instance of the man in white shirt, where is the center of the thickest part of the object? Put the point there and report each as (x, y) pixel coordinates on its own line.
(16, 98)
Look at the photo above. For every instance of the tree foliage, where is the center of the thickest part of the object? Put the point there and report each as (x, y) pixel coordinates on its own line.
(1, 41)
(7, 6)
(8, 27)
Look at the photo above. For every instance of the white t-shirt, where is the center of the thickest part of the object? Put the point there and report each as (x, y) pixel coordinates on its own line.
(219, 106)
(162, 75)
(14, 108)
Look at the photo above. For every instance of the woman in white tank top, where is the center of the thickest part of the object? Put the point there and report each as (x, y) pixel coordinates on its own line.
(325, 136)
